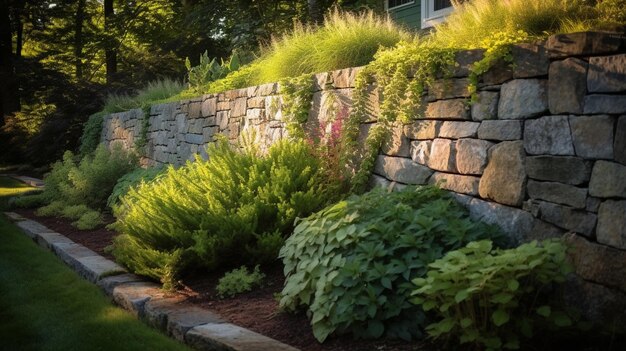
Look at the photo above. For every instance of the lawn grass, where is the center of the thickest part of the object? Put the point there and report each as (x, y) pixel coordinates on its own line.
(46, 306)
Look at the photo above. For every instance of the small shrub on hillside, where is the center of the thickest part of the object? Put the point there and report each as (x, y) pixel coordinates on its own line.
(209, 70)
(239, 281)
(75, 186)
(224, 211)
(90, 139)
(89, 220)
(130, 180)
(351, 264)
(491, 297)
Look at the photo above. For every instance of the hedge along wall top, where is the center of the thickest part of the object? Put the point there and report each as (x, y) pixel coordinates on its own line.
(543, 152)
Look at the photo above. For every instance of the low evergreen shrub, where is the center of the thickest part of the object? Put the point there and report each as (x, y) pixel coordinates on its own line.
(351, 264)
(233, 209)
(238, 281)
(491, 298)
(78, 188)
(132, 179)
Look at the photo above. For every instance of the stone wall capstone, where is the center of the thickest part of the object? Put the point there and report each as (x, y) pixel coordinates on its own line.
(541, 154)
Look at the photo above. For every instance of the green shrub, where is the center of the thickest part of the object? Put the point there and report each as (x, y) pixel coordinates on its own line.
(489, 297)
(90, 139)
(239, 281)
(213, 213)
(75, 188)
(30, 200)
(130, 180)
(155, 92)
(209, 70)
(351, 264)
(89, 220)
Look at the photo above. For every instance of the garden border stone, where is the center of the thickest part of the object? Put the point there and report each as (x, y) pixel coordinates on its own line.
(197, 327)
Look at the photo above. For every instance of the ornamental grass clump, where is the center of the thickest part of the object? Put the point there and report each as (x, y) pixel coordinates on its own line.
(351, 265)
(491, 298)
(236, 208)
(343, 40)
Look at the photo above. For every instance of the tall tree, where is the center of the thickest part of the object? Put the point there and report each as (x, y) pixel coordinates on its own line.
(9, 92)
(79, 21)
(112, 42)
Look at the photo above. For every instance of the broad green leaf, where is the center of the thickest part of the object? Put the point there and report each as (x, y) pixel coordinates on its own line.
(500, 317)
(544, 311)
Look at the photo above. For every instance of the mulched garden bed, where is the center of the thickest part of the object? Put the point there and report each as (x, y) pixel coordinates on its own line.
(256, 310)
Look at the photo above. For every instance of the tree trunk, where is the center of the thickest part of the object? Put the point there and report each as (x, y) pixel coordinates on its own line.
(19, 17)
(315, 12)
(9, 88)
(111, 44)
(78, 38)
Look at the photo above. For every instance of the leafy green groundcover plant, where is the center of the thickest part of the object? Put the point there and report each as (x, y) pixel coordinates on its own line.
(233, 209)
(238, 281)
(78, 190)
(130, 180)
(490, 297)
(351, 264)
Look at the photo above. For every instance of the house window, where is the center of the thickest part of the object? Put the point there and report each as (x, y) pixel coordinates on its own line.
(434, 11)
(394, 4)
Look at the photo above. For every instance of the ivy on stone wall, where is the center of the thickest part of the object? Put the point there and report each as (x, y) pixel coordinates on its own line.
(297, 96)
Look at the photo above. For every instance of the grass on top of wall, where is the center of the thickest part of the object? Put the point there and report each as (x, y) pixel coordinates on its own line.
(157, 91)
(344, 40)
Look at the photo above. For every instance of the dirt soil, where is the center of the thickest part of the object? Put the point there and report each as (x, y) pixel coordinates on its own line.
(256, 310)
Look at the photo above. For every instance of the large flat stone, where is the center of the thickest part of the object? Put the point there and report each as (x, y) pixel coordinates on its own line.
(402, 170)
(585, 44)
(471, 155)
(567, 86)
(504, 178)
(448, 109)
(85, 262)
(33, 229)
(516, 223)
(448, 89)
(607, 74)
(209, 107)
(108, 284)
(344, 78)
(598, 263)
(420, 151)
(559, 193)
(486, 107)
(612, 224)
(229, 337)
(523, 98)
(563, 169)
(608, 179)
(133, 296)
(49, 240)
(578, 221)
(500, 130)
(422, 129)
(397, 144)
(442, 155)
(597, 303)
(592, 136)
(531, 60)
(605, 104)
(457, 130)
(464, 61)
(619, 147)
(458, 183)
(548, 135)
(173, 316)
(14, 217)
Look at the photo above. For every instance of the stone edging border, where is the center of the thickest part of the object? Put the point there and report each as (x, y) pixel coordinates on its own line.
(197, 327)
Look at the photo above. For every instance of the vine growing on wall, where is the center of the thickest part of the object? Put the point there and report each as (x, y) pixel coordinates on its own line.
(142, 139)
(297, 95)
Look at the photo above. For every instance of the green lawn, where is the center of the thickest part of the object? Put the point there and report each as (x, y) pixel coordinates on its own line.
(46, 306)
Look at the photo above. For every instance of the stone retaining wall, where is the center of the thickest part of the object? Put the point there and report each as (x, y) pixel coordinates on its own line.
(542, 153)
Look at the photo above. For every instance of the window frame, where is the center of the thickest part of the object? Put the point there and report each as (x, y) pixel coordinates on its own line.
(387, 8)
(430, 17)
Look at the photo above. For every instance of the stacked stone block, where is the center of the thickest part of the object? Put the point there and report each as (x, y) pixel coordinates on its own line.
(541, 153)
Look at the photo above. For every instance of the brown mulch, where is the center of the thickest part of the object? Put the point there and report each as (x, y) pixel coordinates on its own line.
(256, 310)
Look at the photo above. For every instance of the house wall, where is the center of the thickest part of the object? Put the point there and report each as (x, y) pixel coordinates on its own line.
(409, 15)
(542, 153)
